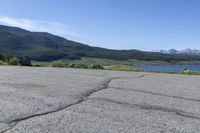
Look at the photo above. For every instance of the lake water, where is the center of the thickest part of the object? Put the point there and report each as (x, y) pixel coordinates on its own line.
(170, 68)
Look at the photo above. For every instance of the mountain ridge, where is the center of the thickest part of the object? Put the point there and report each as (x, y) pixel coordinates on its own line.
(187, 51)
(42, 46)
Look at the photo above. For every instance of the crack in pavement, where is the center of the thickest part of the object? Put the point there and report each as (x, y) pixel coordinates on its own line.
(152, 107)
(142, 76)
(158, 94)
(85, 96)
(104, 85)
(138, 77)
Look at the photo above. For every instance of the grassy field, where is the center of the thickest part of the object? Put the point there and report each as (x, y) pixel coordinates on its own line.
(109, 62)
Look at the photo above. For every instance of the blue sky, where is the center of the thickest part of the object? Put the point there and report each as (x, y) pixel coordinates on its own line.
(116, 24)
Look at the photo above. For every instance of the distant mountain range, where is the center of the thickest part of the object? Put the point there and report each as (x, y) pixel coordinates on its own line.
(43, 46)
(184, 51)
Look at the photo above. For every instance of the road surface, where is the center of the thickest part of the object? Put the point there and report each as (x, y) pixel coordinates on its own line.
(61, 100)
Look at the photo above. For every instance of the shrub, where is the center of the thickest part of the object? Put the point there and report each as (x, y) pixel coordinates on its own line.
(93, 66)
(13, 61)
(80, 66)
(77, 66)
(71, 65)
(36, 65)
(58, 63)
(189, 72)
(25, 61)
(1, 62)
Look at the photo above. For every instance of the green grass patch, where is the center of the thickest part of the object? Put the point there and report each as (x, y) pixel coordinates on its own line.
(58, 63)
(122, 68)
(189, 72)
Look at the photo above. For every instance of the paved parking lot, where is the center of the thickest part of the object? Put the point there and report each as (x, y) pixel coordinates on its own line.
(60, 100)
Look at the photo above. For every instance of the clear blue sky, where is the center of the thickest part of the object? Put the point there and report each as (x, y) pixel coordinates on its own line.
(117, 24)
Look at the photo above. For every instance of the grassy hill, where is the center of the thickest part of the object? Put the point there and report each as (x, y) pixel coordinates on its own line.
(42, 46)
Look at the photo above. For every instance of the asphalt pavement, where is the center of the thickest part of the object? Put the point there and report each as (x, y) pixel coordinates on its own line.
(62, 100)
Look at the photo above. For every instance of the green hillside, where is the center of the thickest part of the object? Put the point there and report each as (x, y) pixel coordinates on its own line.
(42, 46)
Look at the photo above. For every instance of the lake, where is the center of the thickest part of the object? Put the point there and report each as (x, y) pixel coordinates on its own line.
(170, 68)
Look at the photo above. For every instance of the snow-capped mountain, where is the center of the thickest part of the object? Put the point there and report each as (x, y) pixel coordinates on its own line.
(174, 51)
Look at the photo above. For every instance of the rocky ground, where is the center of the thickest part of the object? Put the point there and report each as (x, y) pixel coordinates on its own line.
(56, 100)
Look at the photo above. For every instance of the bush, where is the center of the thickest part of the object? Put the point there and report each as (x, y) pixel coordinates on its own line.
(71, 65)
(77, 66)
(13, 61)
(92, 66)
(189, 72)
(1, 62)
(80, 66)
(25, 61)
(58, 63)
(36, 65)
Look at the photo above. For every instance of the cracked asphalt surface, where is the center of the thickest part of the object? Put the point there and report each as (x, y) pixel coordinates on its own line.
(60, 100)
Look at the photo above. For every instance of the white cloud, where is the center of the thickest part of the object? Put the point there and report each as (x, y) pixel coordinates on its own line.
(40, 26)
